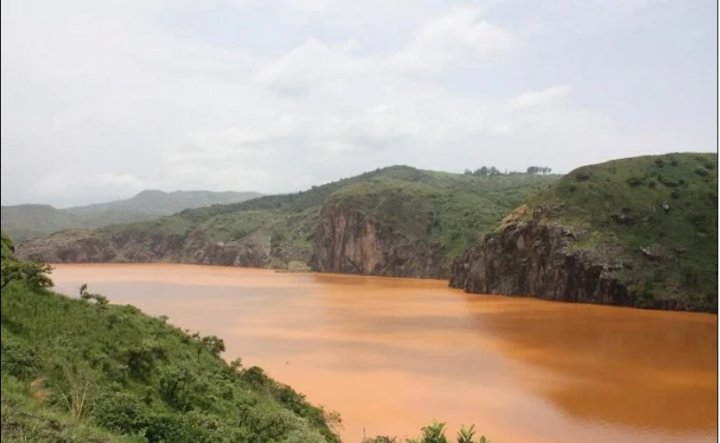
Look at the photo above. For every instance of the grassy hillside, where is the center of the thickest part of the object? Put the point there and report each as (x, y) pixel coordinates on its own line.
(80, 370)
(83, 370)
(450, 209)
(29, 221)
(446, 209)
(657, 215)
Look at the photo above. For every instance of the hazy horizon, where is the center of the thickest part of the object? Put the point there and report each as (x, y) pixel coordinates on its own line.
(100, 100)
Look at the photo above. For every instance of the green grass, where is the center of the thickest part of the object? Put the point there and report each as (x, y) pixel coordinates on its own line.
(666, 203)
(25, 419)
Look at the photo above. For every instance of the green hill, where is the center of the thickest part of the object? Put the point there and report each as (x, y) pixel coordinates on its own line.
(395, 221)
(31, 220)
(637, 232)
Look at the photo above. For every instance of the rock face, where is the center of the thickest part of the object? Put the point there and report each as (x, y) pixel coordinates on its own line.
(146, 247)
(539, 260)
(348, 241)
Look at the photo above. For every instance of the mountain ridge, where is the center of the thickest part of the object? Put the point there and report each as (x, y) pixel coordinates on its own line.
(31, 220)
(400, 213)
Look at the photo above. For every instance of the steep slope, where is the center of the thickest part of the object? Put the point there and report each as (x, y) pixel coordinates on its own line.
(30, 221)
(635, 232)
(397, 221)
(81, 370)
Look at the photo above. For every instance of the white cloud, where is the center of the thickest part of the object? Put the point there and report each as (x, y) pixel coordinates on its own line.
(97, 187)
(313, 64)
(536, 99)
(462, 36)
(277, 96)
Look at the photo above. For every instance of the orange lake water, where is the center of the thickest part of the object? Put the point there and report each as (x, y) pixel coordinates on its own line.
(392, 354)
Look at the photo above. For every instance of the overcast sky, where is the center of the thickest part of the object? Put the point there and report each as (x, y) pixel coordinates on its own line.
(101, 99)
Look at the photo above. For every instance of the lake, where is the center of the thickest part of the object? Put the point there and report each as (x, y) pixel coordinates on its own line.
(392, 354)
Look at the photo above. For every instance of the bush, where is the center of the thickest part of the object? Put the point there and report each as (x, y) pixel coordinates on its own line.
(18, 359)
(635, 181)
(434, 433)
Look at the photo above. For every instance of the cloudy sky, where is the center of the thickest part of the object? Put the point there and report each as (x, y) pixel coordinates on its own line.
(101, 99)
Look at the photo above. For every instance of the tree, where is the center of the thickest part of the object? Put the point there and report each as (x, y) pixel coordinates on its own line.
(213, 344)
(483, 171)
(100, 300)
(34, 274)
(538, 170)
(173, 381)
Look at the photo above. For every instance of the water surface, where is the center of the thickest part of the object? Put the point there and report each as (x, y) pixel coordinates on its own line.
(392, 354)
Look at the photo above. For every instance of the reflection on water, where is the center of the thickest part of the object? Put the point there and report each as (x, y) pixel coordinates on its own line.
(390, 354)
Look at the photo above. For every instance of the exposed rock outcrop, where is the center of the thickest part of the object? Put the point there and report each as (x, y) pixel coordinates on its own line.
(536, 259)
(147, 247)
(349, 241)
(608, 234)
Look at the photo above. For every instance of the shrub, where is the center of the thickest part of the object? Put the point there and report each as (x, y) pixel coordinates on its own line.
(18, 359)
(635, 181)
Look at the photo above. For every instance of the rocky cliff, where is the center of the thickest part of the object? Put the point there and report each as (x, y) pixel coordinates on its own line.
(638, 232)
(349, 241)
(540, 260)
(146, 247)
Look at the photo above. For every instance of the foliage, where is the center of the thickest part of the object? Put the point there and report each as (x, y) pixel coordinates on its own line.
(32, 274)
(492, 170)
(86, 370)
(435, 433)
(539, 170)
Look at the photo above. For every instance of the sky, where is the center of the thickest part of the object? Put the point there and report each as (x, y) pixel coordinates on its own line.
(101, 99)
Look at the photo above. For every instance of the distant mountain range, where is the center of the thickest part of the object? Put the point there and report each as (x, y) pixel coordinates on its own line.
(35, 220)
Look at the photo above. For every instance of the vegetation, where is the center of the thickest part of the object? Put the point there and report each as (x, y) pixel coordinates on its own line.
(492, 170)
(82, 370)
(656, 216)
(33, 274)
(448, 209)
(434, 433)
(29, 221)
